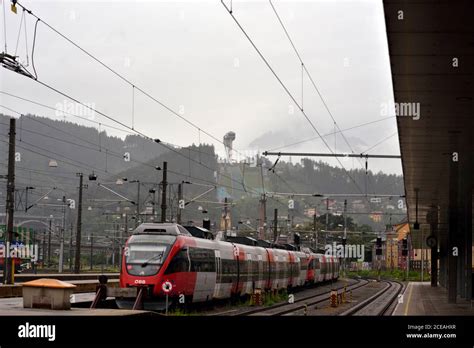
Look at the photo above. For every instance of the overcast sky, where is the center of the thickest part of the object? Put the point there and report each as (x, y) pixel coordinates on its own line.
(192, 56)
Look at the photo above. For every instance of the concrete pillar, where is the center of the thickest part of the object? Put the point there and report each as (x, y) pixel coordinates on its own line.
(469, 237)
(443, 257)
(434, 250)
(453, 245)
(467, 229)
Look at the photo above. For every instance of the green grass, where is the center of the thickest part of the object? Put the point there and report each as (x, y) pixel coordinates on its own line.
(270, 299)
(180, 312)
(395, 274)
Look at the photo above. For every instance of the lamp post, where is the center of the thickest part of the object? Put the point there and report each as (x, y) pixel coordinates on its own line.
(26, 197)
(137, 220)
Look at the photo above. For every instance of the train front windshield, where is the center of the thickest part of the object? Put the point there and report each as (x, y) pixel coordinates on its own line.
(146, 253)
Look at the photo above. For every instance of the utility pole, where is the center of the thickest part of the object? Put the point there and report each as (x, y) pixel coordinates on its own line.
(61, 238)
(180, 197)
(275, 225)
(70, 248)
(77, 261)
(327, 221)
(344, 240)
(43, 254)
(408, 256)
(226, 209)
(170, 202)
(263, 217)
(126, 224)
(314, 228)
(122, 233)
(113, 249)
(92, 248)
(9, 271)
(263, 207)
(49, 241)
(138, 205)
(163, 192)
(153, 210)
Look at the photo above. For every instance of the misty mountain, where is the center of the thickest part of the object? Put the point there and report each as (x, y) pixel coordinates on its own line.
(75, 148)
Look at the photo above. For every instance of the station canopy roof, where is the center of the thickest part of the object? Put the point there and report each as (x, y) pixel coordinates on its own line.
(431, 48)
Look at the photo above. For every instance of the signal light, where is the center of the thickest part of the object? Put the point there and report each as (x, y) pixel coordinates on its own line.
(405, 247)
(378, 246)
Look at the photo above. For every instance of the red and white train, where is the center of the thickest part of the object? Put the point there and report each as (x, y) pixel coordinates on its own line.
(203, 270)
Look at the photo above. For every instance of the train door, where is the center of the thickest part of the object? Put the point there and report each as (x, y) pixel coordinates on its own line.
(323, 268)
(248, 277)
(317, 268)
(260, 283)
(269, 271)
(330, 267)
(218, 261)
(204, 265)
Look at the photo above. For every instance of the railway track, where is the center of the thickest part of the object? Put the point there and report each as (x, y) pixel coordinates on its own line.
(301, 303)
(378, 304)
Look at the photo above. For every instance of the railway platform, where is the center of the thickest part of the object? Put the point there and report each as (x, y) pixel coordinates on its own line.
(420, 298)
(14, 307)
(26, 277)
(82, 285)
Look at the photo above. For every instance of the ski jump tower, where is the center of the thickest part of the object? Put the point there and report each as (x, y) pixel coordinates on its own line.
(229, 138)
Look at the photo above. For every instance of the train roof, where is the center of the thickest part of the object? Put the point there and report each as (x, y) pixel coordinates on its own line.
(242, 240)
(161, 228)
(199, 232)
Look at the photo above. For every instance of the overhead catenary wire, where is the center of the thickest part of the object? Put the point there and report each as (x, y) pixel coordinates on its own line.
(33, 49)
(19, 32)
(124, 125)
(329, 134)
(284, 181)
(111, 152)
(380, 142)
(99, 124)
(68, 113)
(123, 78)
(288, 92)
(68, 161)
(5, 26)
(71, 162)
(132, 126)
(304, 68)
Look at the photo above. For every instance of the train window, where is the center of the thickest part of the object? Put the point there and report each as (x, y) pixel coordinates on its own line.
(202, 260)
(179, 263)
(183, 231)
(266, 270)
(229, 270)
(294, 269)
(243, 270)
(146, 253)
(304, 264)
